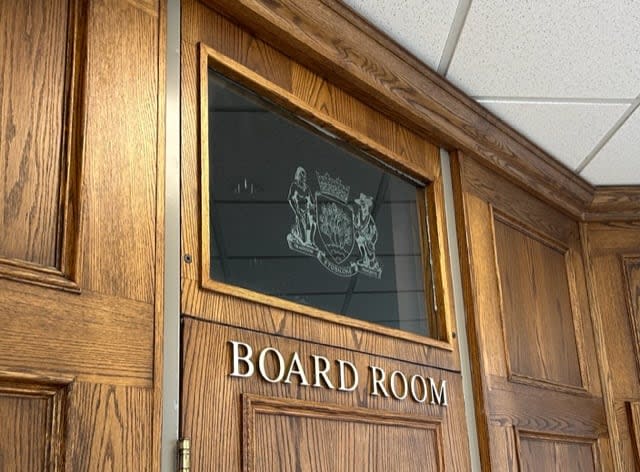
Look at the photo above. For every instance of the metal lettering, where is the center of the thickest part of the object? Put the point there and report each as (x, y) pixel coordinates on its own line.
(397, 385)
(438, 398)
(321, 372)
(262, 369)
(354, 372)
(377, 381)
(237, 359)
(295, 368)
(425, 390)
(392, 385)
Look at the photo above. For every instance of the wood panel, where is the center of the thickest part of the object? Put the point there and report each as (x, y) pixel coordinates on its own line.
(207, 364)
(92, 337)
(121, 145)
(23, 433)
(631, 268)
(32, 138)
(537, 307)
(109, 428)
(539, 410)
(556, 453)
(611, 252)
(32, 422)
(531, 336)
(42, 136)
(80, 102)
(633, 414)
(626, 443)
(312, 436)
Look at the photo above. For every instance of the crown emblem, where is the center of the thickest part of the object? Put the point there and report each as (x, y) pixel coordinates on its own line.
(333, 186)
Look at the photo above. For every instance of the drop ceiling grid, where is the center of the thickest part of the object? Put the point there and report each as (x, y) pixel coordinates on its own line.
(546, 48)
(618, 162)
(553, 126)
(569, 81)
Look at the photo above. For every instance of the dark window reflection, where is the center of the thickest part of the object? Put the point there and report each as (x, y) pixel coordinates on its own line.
(299, 217)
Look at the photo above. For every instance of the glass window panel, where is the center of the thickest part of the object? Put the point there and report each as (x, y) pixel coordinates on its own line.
(296, 215)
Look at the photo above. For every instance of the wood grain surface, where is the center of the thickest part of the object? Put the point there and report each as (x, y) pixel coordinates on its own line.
(31, 147)
(290, 435)
(120, 170)
(80, 102)
(548, 453)
(312, 418)
(531, 334)
(537, 307)
(616, 203)
(32, 426)
(42, 145)
(210, 40)
(109, 428)
(612, 252)
(93, 336)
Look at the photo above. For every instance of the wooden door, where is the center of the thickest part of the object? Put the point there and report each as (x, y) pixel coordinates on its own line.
(539, 401)
(79, 88)
(273, 384)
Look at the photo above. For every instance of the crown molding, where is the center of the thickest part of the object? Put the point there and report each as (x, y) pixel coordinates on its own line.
(332, 40)
(617, 203)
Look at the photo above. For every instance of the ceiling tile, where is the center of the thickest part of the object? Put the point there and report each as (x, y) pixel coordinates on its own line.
(618, 162)
(549, 48)
(420, 26)
(566, 131)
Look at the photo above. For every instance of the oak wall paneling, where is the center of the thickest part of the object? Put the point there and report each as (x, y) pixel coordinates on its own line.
(538, 305)
(612, 253)
(42, 142)
(329, 39)
(82, 216)
(550, 453)
(633, 414)
(32, 415)
(340, 430)
(371, 438)
(531, 338)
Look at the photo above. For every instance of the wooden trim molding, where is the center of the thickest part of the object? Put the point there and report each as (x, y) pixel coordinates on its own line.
(65, 274)
(332, 40)
(54, 390)
(630, 267)
(254, 404)
(620, 203)
(576, 318)
(434, 242)
(592, 442)
(633, 413)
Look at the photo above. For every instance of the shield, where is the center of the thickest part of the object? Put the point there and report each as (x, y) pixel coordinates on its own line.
(335, 226)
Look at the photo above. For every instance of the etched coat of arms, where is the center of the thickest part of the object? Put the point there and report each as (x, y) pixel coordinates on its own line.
(342, 236)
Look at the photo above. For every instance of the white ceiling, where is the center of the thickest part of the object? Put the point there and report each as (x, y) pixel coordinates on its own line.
(565, 74)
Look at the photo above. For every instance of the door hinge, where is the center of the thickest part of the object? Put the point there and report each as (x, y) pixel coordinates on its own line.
(184, 455)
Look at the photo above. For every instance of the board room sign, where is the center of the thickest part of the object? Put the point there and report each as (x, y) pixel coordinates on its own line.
(246, 362)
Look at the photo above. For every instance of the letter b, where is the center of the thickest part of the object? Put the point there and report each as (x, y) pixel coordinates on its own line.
(238, 359)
